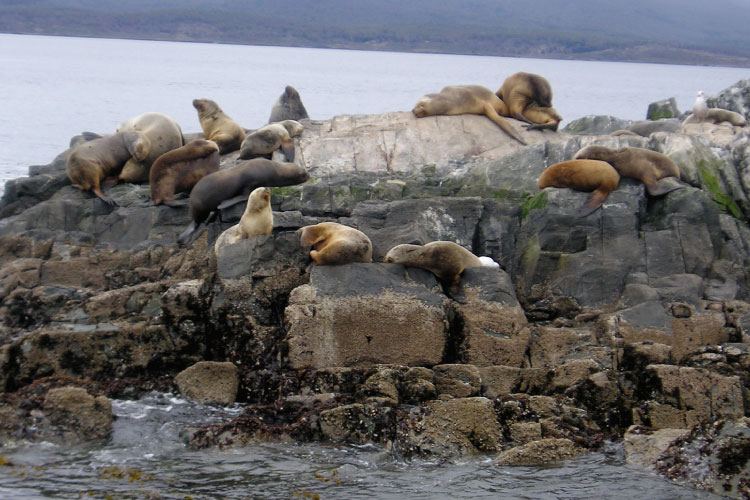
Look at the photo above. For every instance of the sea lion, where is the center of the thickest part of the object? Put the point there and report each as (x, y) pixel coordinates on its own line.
(445, 259)
(288, 107)
(643, 164)
(178, 170)
(718, 115)
(582, 175)
(255, 221)
(218, 127)
(232, 185)
(91, 162)
(164, 134)
(528, 97)
(466, 99)
(335, 244)
(268, 139)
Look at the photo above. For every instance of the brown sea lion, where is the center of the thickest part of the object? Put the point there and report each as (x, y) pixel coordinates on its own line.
(268, 139)
(335, 244)
(180, 169)
(255, 221)
(91, 162)
(445, 259)
(643, 164)
(288, 107)
(232, 185)
(164, 134)
(218, 127)
(528, 97)
(718, 115)
(466, 99)
(582, 175)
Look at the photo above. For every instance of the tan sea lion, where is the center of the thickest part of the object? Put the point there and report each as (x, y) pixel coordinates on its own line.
(335, 244)
(268, 139)
(164, 134)
(466, 99)
(288, 107)
(528, 97)
(92, 162)
(718, 115)
(255, 221)
(232, 185)
(582, 175)
(445, 259)
(218, 127)
(643, 164)
(180, 169)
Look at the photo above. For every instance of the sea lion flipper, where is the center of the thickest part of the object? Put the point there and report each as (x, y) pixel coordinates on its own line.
(175, 203)
(597, 200)
(232, 201)
(490, 112)
(657, 189)
(288, 150)
(106, 199)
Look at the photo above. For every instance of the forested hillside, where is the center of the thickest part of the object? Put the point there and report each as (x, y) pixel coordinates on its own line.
(672, 31)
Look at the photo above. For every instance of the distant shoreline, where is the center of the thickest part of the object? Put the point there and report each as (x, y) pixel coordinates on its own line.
(648, 53)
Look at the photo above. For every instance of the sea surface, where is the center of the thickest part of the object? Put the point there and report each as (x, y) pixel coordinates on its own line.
(146, 458)
(53, 88)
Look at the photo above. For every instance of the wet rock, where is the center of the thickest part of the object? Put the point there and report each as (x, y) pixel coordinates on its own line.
(713, 457)
(459, 381)
(644, 445)
(683, 396)
(357, 424)
(209, 382)
(540, 452)
(456, 427)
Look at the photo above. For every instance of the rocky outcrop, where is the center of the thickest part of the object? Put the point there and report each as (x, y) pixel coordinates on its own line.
(636, 314)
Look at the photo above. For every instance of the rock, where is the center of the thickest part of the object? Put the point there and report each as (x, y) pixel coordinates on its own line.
(735, 98)
(538, 453)
(459, 381)
(458, 427)
(712, 457)
(356, 423)
(72, 415)
(643, 445)
(595, 125)
(209, 382)
(357, 314)
(666, 108)
(685, 396)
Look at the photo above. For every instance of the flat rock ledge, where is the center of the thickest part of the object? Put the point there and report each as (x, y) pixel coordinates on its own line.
(631, 324)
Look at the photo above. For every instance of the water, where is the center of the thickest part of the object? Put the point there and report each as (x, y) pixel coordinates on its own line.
(147, 458)
(56, 87)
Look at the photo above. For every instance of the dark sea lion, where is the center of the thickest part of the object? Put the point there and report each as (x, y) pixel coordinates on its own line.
(232, 185)
(268, 139)
(288, 107)
(164, 134)
(179, 170)
(92, 162)
(219, 127)
(718, 115)
(335, 244)
(466, 99)
(582, 175)
(445, 259)
(643, 164)
(528, 97)
(256, 220)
